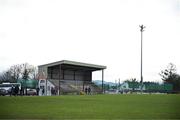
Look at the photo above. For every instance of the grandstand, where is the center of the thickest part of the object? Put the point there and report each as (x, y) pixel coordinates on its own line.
(70, 77)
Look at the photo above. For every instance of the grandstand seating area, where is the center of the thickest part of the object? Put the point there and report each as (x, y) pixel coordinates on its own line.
(75, 86)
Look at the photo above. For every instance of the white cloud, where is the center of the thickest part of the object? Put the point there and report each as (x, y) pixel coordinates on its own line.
(97, 31)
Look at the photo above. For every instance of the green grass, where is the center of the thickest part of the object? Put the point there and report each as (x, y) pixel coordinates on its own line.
(91, 107)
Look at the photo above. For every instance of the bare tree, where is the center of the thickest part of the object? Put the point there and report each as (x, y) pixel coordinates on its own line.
(6, 76)
(34, 73)
(26, 71)
(15, 72)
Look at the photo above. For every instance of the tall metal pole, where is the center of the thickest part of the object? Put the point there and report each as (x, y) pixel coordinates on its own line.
(142, 29)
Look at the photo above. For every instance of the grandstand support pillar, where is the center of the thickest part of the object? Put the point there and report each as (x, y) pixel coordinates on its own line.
(46, 87)
(74, 77)
(102, 81)
(59, 78)
(46, 79)
(83, 85)
(63, 74)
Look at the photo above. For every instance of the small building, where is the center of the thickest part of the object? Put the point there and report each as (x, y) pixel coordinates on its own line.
(131, 86)
(70, 76)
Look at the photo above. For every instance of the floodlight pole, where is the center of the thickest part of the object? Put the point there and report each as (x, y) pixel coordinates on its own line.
(142, 29)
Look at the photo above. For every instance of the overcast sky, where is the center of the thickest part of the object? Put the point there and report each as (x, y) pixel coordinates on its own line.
(104, 32)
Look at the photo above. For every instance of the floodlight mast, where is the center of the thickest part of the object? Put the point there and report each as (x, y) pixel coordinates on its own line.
(142, 30)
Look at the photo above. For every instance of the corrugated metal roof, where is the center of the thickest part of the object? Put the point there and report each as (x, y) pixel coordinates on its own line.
(73, 63)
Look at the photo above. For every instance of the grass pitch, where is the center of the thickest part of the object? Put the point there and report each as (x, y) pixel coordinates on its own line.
(91, 107)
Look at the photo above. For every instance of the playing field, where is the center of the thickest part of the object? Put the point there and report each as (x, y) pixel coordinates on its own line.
(91, 107)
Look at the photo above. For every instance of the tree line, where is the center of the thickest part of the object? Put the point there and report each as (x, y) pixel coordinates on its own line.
(20, 71)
